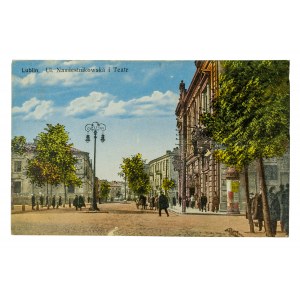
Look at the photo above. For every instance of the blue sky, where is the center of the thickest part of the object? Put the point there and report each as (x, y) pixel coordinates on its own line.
(135, 99)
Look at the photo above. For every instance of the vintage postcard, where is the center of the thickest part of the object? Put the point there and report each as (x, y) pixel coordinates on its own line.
(194, 148)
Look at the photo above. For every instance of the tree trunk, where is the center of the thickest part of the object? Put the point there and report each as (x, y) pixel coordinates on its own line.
(249, 204)
(266, 212)
(65, 190)
(48, 204)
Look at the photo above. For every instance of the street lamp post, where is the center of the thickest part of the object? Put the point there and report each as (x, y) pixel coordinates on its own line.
(94, 128)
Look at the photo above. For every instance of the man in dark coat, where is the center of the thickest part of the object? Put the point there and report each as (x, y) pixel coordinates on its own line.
(143, 201)
(283, 197)
(53, 201)
(203, 202)
(76, 202)
(274, 208)
(81, 202)
(257, 210)
(163, 203)
(42, 200)
(33, 201)
(285, 210)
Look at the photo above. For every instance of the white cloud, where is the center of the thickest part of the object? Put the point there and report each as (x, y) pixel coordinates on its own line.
(41, 111)
(157, 104)
(158, 98)
(30, 79)
(115, 108)
(26, 106)
(97, 103)
(94, 102)
(34, 109)
(65, 78)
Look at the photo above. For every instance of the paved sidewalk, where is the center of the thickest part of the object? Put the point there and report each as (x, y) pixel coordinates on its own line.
(196, 211)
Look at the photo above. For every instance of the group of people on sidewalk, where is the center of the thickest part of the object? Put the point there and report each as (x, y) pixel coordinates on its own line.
(55, 202)
(45, 201)
(202, 202)
(278, 203)
(159, 203)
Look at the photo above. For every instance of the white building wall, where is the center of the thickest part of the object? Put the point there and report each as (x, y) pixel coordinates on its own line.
(22, 189)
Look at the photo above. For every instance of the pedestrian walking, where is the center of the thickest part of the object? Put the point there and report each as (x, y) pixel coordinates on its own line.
(152, 202)
(76, 202)
(280, 196)
(42, 200)
(81, 202)
(215, 202)
(203, 202)
(163, 204)
(257, 210)
(59, 201)
(143, 201)
(53, 201)
(285, 210)
(274, 208)
(32, 201)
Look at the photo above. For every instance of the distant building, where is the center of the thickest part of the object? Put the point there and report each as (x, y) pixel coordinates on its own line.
(22, 189)
(117, 190)
(160, 168)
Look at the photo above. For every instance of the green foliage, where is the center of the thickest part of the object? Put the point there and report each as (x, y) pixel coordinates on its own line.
(54, 162)
(41, 172)
(251, 113)
(104, 189)
(18, 144)
(167, 184)
(137, 178)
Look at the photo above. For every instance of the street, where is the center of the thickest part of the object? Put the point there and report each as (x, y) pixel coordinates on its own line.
(124, 219)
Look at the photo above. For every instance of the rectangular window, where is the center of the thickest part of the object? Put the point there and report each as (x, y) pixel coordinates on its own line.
(17, 166)
(17, 187)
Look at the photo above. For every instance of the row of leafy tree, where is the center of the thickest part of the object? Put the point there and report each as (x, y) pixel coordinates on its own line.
(251, 118)
(53, 162)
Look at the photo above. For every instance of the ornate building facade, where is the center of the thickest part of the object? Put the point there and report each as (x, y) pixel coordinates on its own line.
(199, 172)
(22, 188)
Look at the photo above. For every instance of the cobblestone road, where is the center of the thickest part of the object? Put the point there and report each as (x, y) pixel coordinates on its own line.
(124, 219)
